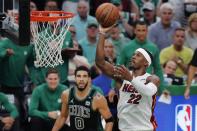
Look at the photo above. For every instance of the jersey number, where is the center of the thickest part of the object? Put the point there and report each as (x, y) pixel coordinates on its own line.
(79, 123)
(134, 98)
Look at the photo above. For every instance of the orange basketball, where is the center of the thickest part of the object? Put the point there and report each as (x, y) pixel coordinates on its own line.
(107, 14)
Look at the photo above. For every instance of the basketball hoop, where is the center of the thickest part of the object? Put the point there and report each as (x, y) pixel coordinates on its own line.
(49, 29)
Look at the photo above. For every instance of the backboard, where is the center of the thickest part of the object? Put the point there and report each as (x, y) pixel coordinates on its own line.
(15, 20)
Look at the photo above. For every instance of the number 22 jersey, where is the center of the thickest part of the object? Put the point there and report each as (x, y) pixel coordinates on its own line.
(135, 110)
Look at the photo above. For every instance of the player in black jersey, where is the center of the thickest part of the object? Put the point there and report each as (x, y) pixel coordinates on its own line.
(84, 105)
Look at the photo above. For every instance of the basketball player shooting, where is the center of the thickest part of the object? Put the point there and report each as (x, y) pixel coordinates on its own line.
(137, 89)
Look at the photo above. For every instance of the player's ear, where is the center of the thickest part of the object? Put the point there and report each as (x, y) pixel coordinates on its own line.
(146, 63)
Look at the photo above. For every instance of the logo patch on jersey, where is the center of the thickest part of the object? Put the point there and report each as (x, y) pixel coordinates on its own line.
(25, 52)
(143, 80)
(71, 101)
(59, 100)
(87, 103)
(183, 117)
(66, 43)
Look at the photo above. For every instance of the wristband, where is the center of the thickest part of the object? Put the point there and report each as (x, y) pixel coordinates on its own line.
(58, 113)
(109, 119)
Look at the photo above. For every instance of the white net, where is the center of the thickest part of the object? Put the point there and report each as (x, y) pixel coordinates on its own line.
(48, 38)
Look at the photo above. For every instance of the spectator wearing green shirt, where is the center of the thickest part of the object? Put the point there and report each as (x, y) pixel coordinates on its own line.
(8, 122)
(45, 103)
(13, 59)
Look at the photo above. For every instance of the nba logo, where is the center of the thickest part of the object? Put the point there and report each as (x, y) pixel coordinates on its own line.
(183, 118)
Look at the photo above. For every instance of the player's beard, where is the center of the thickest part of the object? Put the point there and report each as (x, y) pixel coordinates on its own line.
(131, 67)
(82, 89)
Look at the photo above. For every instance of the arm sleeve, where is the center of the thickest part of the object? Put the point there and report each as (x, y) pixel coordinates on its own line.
(9, 107)
(33, 107)
(149, 89)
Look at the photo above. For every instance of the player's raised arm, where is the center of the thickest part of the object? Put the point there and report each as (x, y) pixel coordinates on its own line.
(107, 15)
(105, 66)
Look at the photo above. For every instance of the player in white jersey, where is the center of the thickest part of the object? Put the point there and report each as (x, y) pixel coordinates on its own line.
(135, 109)
(137, 88)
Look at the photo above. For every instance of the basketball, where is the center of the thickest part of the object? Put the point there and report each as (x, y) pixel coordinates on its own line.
(107, 14)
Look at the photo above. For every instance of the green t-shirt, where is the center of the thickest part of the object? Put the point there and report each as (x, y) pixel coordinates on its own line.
(44, 100)
(13, 67)
(6, 105)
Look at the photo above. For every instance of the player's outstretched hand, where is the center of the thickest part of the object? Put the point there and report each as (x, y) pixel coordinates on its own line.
(105, 30)
(124, 73)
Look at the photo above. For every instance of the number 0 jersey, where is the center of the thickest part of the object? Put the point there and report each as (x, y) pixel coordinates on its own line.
(135, 110)
(82, 116)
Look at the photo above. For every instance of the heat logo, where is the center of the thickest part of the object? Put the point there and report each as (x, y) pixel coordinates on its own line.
(183, 118)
